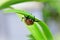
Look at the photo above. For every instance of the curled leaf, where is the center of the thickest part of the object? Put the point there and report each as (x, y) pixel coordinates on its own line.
(39, 30)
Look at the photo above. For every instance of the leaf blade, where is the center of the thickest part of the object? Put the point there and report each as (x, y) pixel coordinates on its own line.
(41, 33)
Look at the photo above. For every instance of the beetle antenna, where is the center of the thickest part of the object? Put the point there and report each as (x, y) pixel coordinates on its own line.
(22, 18)
(34, 18)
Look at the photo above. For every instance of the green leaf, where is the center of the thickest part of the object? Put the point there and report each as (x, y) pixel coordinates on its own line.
(8, 3)
(37, 33)
(31, 37)
(11, 2)
(3, 1)
(46, 30)
(39, 30)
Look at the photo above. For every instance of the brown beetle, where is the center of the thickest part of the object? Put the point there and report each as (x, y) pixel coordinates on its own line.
(29, 21)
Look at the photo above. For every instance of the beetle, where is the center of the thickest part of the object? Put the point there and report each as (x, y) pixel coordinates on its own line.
(29, 21)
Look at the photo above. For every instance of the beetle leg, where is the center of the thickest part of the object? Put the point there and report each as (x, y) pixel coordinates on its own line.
(35, 20)
(27, 17)
(22, 18)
